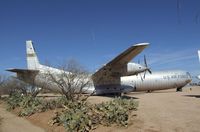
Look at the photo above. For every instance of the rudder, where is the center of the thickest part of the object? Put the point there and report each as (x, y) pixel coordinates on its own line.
(32, 59)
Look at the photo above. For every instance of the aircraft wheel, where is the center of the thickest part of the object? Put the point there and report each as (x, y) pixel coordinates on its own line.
(118, 94)
(149, 91)
(179, 89)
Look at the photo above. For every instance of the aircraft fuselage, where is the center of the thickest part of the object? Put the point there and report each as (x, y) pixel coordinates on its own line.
(156, 81)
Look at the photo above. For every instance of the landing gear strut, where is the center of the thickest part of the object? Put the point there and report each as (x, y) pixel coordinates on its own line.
(149, 91)
(179, 89)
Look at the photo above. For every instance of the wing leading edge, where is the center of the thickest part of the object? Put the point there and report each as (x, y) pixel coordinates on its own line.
(113, 70)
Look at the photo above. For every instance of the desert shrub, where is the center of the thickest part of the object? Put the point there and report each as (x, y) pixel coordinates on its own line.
(14, 100)
(76, 120)
(30, 105)
(116, 111)
(76, 115)
(81, 116)
(54, 103)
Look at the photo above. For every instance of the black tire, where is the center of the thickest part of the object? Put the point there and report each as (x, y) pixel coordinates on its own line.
(179, 89)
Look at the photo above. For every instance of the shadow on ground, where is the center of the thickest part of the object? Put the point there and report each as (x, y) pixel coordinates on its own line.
(123, 97)
(196, 96)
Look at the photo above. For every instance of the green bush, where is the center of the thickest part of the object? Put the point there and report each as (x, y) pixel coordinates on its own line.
(14, 100)
(116, 111)
(77, 120)
(76, 115)
(30, 105)
(81, 116)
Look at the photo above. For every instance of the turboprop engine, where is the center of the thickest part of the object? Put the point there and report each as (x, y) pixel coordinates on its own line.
(134, 69)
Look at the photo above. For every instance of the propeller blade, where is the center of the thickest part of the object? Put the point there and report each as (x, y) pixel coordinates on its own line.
(145, 61)
(141, 77)
(149, 71)
(144, 75)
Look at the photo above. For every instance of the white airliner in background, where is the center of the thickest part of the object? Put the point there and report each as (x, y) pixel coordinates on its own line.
(117, 76)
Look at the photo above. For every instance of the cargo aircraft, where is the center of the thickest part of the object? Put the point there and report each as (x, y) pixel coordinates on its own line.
(116, 77)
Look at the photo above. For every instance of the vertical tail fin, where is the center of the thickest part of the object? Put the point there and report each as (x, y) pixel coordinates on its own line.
(32, 59)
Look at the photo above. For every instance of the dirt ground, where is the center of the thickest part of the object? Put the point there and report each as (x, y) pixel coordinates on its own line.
(13, 123)
(166, 111)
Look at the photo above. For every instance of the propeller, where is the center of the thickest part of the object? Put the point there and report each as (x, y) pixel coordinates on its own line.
(147, 68)
(145, 62)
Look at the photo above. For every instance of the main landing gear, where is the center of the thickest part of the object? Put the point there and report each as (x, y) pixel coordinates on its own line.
(179, 89)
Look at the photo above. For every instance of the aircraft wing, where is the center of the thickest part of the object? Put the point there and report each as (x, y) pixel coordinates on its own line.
(113, 70)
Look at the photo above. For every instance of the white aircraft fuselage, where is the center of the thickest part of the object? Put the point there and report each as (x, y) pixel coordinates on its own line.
(159, 80)
(117, 76)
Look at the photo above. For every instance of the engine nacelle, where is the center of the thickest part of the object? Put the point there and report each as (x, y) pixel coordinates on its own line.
(134, 69)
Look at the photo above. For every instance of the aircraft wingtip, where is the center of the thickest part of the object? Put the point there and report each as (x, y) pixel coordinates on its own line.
(139, 44)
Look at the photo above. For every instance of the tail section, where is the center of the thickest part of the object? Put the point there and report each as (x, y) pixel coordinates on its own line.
(32, 59)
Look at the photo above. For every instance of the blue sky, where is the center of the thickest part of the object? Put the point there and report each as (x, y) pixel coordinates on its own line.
(95, 31)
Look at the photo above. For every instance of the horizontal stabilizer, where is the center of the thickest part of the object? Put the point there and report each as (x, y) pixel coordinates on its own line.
(22, 71)
(25, 74)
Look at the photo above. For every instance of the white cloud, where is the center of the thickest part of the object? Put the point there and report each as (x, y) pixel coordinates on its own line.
(173, 57)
